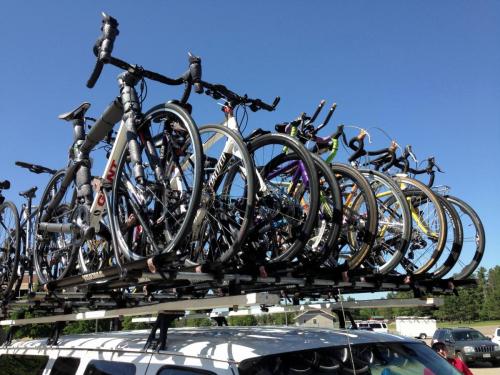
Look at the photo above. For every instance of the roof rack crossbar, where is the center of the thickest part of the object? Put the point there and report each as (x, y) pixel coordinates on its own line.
(163, 307)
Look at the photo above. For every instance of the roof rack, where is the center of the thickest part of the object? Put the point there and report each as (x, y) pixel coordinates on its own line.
(167, 311)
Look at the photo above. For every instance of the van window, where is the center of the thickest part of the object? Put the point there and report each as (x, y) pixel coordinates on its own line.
(174, 370)
(65, 366)
(12, 364)
(109, 368)
(375, 325)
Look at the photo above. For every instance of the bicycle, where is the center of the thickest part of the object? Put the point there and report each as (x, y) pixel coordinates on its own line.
(9, 243)
(473, 241)
(286, 188)
(26, 221)
(162, 197)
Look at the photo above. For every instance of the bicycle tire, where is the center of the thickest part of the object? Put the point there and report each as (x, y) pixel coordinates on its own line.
(293, 233)
(454, 241)
(394, 223)
(323, 242)
(49, 244)
(9, 245)
(422, 194)
(176, 123)
(228, 197)
(359, 228)
(477, 240)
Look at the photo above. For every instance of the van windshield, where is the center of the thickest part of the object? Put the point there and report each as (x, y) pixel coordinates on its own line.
(369, 358)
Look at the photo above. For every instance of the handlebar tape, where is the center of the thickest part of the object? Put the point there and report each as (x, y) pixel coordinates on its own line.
(338, 132)
(95, 74)
(195, 73)
(103, 47)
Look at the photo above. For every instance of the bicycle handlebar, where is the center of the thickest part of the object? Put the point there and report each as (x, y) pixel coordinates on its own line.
(38, 169)
(5, 185)
(318, 110)
(218, 91)
(103, 47)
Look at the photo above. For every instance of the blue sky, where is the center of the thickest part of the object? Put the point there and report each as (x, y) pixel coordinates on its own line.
(425, 72)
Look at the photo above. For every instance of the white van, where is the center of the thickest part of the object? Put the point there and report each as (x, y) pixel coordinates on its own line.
(225, 350)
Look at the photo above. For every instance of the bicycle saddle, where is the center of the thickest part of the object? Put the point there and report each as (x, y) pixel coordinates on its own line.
(30, 193)
(77, 113)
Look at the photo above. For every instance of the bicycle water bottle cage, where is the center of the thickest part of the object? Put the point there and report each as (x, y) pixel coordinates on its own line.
(77, 113)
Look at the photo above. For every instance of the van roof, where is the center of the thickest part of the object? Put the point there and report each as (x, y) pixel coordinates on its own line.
(219, 343)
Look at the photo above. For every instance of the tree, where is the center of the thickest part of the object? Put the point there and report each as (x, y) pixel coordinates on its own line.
(491, 309)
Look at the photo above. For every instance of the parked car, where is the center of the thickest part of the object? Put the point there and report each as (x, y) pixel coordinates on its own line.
(496, 336)
(227, 351)
(468, 344)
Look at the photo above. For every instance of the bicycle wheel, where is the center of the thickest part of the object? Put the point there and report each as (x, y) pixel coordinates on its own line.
(227, 204)
(154, 218)
(473, 242)
(323, 241)
(454, 240)
(9, 247)
(394, 223)
(287, 200)
(54, 254)
(429, 226)
(359, 222)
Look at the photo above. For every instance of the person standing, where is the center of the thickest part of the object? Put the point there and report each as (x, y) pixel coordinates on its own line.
(460, 365)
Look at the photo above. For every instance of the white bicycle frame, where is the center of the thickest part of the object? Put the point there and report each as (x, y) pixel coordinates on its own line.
(98, 208)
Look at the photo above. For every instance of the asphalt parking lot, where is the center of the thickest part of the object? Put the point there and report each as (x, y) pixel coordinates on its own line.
(484, 369)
